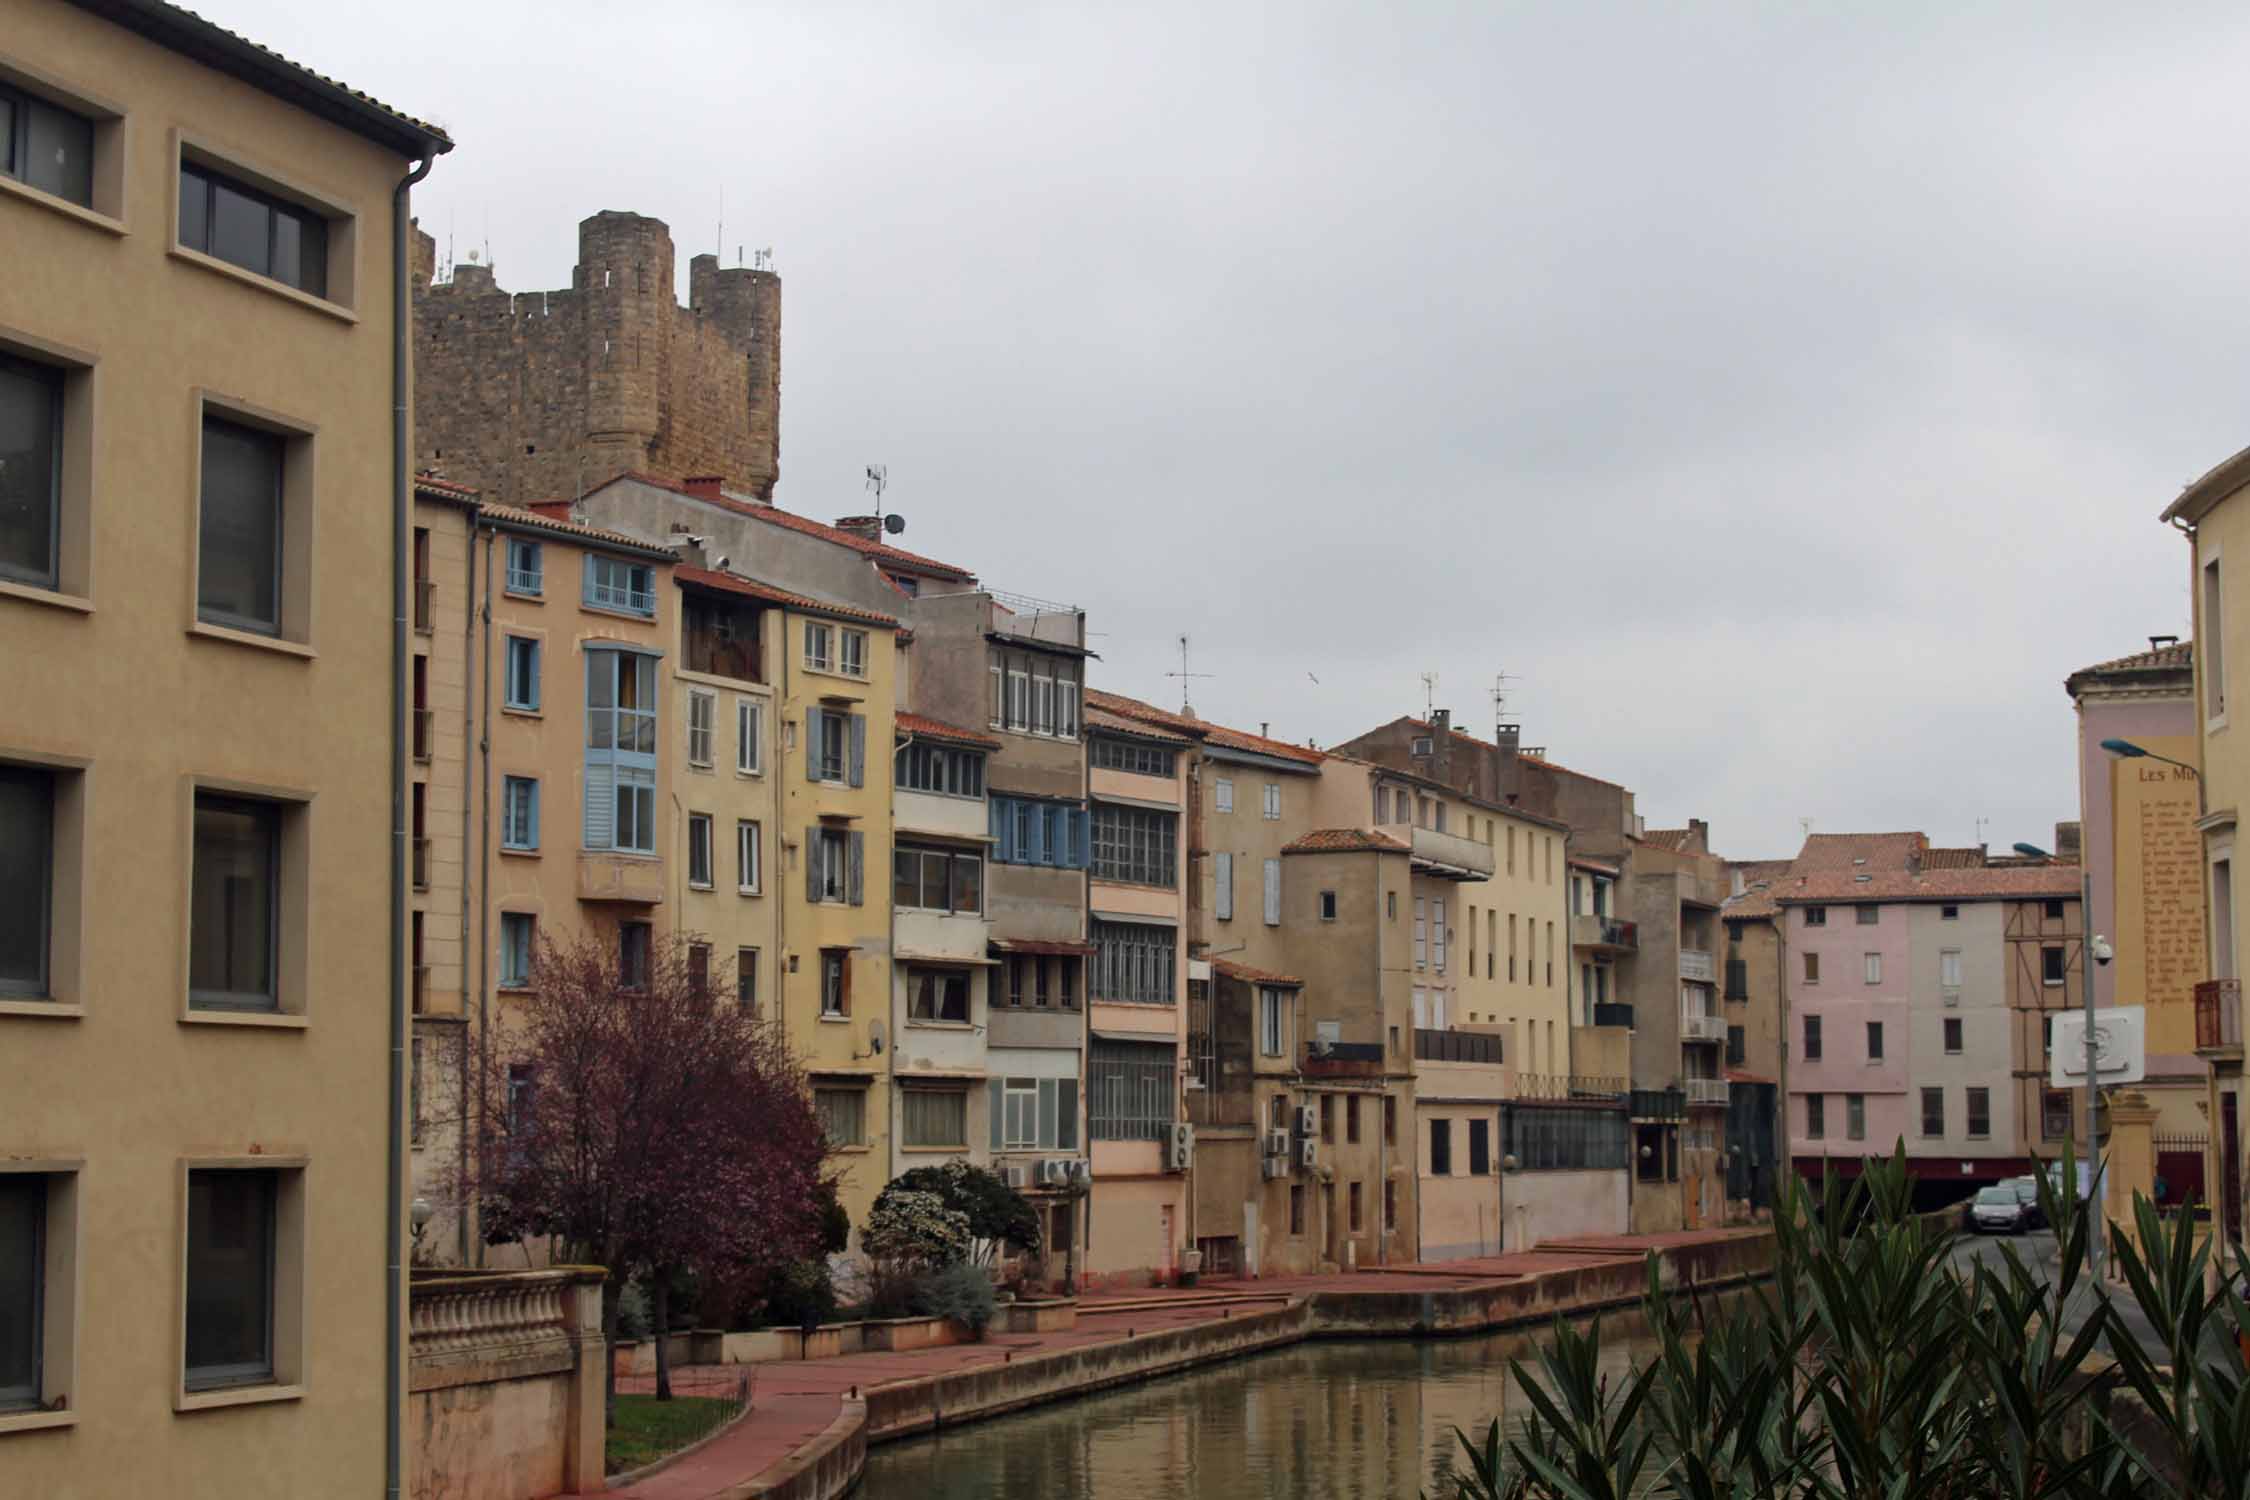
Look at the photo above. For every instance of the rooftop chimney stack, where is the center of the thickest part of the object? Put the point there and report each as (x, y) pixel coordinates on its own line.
(1441, 720)
(866, 528)
(704, 486)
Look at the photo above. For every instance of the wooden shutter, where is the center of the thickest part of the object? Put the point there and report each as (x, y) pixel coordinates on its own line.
(601, 804)
(1273, 893)
(857, 751)
(1036, 851)
(812, 863)
(1223, 876)
(856, 867)
(812, 744)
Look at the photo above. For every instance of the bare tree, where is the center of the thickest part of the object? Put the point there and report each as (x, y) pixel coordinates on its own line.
(642, 1121)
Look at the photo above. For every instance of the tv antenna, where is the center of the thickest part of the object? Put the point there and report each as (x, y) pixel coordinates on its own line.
(1184, 674)
(879, 480)
(1429, 694)
(762, 260)
(1499, 695)
(1980, 831)
(1804, 826)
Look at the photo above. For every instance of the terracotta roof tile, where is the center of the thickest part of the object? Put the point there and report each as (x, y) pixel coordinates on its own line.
(1674, 839)
(510, 515)
(1527, 757)
(1202, 729)
(1750, 906)
(1860, 853)
(1099, 719)
(2012, 883)
(435, 485)
(1345, 841)
(2179, 657)
(751, 588)
(774, 515)
(1935, 858)
(935, 729)
(1248, 975)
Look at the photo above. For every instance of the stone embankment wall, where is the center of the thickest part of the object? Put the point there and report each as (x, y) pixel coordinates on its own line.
(505, 1384)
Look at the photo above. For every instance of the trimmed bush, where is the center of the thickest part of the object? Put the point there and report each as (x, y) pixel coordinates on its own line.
(961, 1294)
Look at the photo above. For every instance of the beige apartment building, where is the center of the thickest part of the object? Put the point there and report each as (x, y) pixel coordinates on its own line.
(201, 532)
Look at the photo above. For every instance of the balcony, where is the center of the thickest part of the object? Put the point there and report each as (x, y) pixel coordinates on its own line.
(1343, 1060)
(1656, 1104)
(425, 602)
(1697, 967)
(1706, 1092)
(1695, 1027)
(636, 879)
(1603, 934)
(1431, 1045)
(1580, 1086)
(424, 732)
(720, 637)
(1614, 1015)
(2218, 1020)
(1447, 856)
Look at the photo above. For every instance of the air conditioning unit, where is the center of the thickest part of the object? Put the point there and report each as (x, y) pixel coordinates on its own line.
(1952, 997)
(1043, 1174)
(1308, 1119)
(1277, 1143)
(1014, 1174)
(1182, 1154)
(1276, 1166)
(1079, 1173)
(1308, 1152)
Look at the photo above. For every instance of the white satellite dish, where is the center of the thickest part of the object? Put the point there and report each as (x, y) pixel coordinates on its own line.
(2120, 1047)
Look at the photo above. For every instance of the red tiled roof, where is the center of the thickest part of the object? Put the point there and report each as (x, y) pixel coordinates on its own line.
(434, 485)
(1934, 858)
(510, 515)
(2012, 883)
(1248, 975)
(751, 588)
(1345, 841)
(934, 729)
(1201, 729)
(2179, 657)
(1750, 906)
(1098, 719)
(1674, 839)
(898, 557)
(1863, 853)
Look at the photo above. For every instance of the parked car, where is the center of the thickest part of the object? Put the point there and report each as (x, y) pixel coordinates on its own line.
(1997, 1210)
(2027, 1193)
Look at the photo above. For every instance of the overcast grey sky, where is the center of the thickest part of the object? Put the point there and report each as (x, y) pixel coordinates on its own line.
(1784, 400)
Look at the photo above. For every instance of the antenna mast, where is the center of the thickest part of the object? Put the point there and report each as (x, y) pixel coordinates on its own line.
(1499, 695)
(878, 480)
(1429, 695)
(1184, 674)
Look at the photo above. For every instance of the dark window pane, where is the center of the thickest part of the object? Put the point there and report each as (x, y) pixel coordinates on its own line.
(288, 249)
(58, 152)
(968, 883)
(312, 271)
(230, 1278)
(241, 229)
(23, 1201)
(231, 932)
(30, 418)
(9, 109)
(26, 853)
(195, 209)
(240, 561)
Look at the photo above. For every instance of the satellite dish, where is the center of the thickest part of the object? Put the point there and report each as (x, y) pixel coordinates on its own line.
(894, 523)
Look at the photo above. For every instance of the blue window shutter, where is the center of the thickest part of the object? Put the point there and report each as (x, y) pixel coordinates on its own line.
(1084, 845)
(812, 744)
(856, 871)
(1003, 846)
(1036, 853)
(601, 801)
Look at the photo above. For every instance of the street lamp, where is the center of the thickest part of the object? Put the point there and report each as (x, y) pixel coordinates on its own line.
(2095, 949)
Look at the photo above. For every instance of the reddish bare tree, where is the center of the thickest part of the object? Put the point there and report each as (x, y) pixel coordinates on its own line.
(641, 1120)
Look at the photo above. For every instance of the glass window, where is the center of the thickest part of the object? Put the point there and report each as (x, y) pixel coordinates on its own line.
(934, 1117)
(523, 674)
(1816, 916)
(1933, 1112)
(245, 227)
(1812, 1038)
(2053, 965)
(1269, 1022)
(819, 646)
(1133, 961)
(527, 568)
(749, 856)
(1135, 845)
(834, 1000)
(517, 930)
(843, 1115)
(31, 403)
(1480, 1146)
(702, 712)
(27, 823)
(23, 1237)
(749, 736)
(746, 979)
(230, 1276)
(699, 855)
(937, 995)
(519, 813)
(1222, 795)
(1441, 1148)
(614, 583)
(632, 955)
(47, 147)
(1142, 760)
(1867, 913)
(852, 661)
(1980, 1112)
(1855, 1117)
(231, 936)
(1816, 1116)
(1952, 1034)
(1129, 1091)
(1874, 1041)
(238, 559)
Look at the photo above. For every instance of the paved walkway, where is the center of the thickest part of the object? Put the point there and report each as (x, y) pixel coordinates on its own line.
(793, 1401)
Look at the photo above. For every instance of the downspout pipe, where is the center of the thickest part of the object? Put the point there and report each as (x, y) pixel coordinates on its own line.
(394, 1198)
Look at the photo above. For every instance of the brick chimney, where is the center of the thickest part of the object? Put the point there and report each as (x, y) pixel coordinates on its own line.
(704, 486)
(866, 528)
(553, 510)
(1699, 832)
(2067, 843)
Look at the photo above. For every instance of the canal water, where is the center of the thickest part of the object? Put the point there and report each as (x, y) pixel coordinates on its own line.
(1371, 1419)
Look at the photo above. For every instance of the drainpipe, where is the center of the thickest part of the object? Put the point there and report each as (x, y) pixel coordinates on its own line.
(896, 1092)
(470, 719)
(484, 855)
(394, 1200)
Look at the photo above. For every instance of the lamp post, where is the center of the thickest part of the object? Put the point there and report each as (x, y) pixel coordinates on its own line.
(2087, 940)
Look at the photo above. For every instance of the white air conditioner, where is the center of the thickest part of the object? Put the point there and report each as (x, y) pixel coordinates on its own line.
(1015, 1174)
(1079, 1173)
(1952, 996)
(1308, 1119)
(1276, 1166)
(1308, 1152)
(1043, 1173)
(1182, 1154)
(1277, 1143)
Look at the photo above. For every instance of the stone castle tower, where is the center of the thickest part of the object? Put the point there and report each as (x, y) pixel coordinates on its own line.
(543, 395)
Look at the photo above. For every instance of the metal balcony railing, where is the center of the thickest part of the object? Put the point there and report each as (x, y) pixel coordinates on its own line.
(1431, 1045)
(1613, 1015)
(425, 601)
(1697, 966)
(1588, 930)
(1701, 1028)
(1706, 1091)
(2218, 1016)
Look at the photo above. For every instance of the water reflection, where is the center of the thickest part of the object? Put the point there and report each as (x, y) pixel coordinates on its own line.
(1344, 1419)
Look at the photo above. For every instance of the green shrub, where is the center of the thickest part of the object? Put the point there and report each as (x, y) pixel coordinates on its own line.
(960, 1293)
(914, 1229)
(801, 1293)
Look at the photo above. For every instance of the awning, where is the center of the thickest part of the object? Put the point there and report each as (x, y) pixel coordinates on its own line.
(1142, 917)
(842, 1075)
(951, 1082)
(1146, 802)
(944, 960)
(1042, 946)
(1145, 1038)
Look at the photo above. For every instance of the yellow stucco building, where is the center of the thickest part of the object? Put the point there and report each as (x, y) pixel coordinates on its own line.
(201, 533)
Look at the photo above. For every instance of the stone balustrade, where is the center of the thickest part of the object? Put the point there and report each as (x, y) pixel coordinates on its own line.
(505, 1378)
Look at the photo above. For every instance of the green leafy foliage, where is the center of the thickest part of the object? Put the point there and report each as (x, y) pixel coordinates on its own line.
(1869, 1366)
(908, 1228)
(960, 1293)
(1000, 1218)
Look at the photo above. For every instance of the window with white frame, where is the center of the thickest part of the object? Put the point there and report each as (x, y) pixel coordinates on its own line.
(527, 568)
(843, 1115)
(1133, 962)
(925, 767)
(518, 931)
(835, 983)
(1421, 932)
(937, 994)
(749, 855)
(519, 813)
(1135, 845)
(851, 654)
(1437, 935)
(522, 675)
(820, 646)
(833, 865)
(1019, 699)
(1034, 1114)
(1272, 1005)
(702, 710)
(1273, 800)
(749, 736)
(699, 850)
(1949, 968)
(1222, 795)
(1872, 964)
(620, 807)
